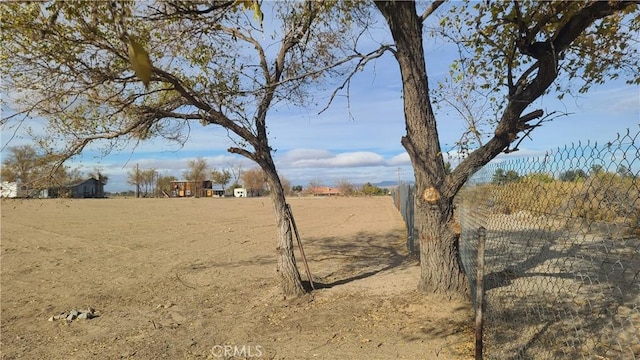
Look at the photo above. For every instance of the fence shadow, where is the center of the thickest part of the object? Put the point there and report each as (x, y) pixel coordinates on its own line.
(562, 252)
(525, 261)
(558, 292)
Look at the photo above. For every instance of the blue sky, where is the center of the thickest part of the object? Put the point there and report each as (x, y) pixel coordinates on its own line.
(360, 142)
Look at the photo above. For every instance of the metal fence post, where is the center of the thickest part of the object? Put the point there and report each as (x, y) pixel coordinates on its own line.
(482, 233)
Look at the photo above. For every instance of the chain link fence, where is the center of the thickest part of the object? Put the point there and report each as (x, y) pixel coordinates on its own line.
(561, 252)
(403, 200)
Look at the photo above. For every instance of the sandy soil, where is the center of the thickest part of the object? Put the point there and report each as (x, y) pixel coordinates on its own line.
(195, 279)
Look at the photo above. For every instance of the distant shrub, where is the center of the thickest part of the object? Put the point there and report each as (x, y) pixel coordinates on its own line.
(608, 197)
(539, 177)
(369, 190)
(600, 197)
(502, 177)
(573, 175)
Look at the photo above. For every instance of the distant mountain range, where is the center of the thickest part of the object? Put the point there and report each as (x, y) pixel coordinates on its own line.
(390, 183)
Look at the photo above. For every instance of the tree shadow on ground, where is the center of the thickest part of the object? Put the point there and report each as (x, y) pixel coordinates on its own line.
(341, 260)
(525, 261)
(559, 293)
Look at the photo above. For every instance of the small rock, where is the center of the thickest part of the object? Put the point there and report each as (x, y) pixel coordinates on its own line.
(75, 314)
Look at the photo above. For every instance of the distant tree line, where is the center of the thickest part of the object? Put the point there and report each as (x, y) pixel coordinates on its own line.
(344, 187)
(150, 183)
(35, 170)
(500, 176)
(596, 195)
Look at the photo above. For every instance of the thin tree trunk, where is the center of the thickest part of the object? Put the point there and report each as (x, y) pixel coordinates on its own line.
(286, 267)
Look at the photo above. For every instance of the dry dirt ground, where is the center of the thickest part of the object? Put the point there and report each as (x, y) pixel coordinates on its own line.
(195, 279)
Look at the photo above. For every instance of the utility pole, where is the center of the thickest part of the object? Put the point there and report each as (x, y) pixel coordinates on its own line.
(137, 181)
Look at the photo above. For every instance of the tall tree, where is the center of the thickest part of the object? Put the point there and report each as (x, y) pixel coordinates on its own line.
(200, 63)
(149, 181)
(221, 177)
(163, 184)
(34, 170)
(20, 165)
(197, 173)
(254, 181)
(135, 177)
(519, 49)
(236, 172)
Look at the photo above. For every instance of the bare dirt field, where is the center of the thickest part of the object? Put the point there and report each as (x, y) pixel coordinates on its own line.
(195, 279)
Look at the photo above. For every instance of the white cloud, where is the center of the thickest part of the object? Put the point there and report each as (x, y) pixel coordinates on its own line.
(630, 103)
(296, 155)
(398, 160)
(307, 158)
(621, 99)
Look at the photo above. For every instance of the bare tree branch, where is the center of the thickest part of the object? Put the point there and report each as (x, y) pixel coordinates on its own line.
(429, 10)
(529, 128)
(243, 152)
(511, 122)
(364, 59)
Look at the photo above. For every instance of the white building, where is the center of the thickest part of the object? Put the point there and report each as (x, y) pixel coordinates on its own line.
(9, 189)
(240, 192)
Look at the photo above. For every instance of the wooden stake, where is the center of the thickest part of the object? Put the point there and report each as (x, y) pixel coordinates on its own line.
(304, 258)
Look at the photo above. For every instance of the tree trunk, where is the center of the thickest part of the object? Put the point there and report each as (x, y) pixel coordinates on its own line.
(440, 264)
(441, 271)
(286, 267)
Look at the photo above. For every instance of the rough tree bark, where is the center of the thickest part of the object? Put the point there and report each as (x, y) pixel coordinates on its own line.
(441, 270)
(286, 268)
(440, 266)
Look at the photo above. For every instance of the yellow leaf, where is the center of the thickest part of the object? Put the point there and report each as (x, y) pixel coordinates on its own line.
(253, 5)
(257, 12)
(140, 62)
(245, 3)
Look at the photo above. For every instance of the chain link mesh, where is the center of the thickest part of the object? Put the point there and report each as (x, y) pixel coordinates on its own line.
(562, 251)
(403, 200)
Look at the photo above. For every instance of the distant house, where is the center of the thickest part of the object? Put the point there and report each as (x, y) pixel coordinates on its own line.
(89, 188)
(240, 192)
(8, 189)
(324, 191)
(218, 191)
(188, 188)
